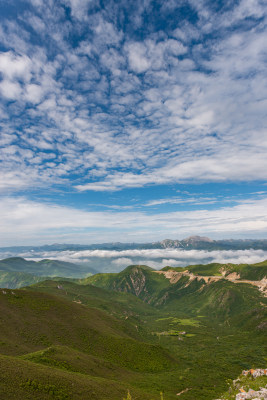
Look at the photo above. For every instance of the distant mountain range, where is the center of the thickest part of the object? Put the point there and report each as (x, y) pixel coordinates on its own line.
(190, 243)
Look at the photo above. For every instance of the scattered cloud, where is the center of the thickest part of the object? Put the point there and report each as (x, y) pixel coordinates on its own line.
(179, 105)
(182, 200)
(23, 221)
(96, 97)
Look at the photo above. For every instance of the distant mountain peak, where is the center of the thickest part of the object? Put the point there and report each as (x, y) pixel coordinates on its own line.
(194, 239)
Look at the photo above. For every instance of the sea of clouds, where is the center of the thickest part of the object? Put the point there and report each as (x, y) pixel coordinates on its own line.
(113, 260)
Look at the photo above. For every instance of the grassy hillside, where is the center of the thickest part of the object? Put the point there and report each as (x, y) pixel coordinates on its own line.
(131, 331)
(119, 304)
(54, 332)
(22, 379)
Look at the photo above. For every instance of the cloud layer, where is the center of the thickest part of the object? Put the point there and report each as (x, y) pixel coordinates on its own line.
(112, 261)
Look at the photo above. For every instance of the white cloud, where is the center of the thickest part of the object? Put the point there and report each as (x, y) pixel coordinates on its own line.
(180, 200)
(150, 54)
(138, 60)
(79, 8)
(10, 90)
(23, 221)
(33, 93)
(176, 255)
(14, 66)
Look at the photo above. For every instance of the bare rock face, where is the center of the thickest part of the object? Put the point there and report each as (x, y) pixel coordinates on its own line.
(259, 394)
(138, 281)
(135, 282)
(174, 277)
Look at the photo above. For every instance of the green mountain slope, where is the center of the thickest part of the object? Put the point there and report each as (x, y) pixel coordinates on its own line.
(119, 304)
(219, 298)
(32, 320)
(140, 280)
(22, 379)
(143, 330)
(213, 333)
(54, 332)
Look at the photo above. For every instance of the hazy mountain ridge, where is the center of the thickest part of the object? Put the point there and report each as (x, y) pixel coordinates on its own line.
(192, 242)
(44, 267)
(17, 280)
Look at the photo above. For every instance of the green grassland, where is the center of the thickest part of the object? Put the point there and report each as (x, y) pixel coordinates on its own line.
(97, 338)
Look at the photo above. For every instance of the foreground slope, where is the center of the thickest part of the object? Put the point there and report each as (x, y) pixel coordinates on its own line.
(39, 331)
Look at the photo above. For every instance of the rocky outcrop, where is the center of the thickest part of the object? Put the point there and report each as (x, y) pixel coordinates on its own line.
(242, 386)
(174, 277)
(252, 394)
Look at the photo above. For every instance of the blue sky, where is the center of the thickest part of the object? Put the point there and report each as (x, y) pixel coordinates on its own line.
(132, 120)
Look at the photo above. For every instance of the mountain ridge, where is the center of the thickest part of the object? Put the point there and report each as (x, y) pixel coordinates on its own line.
(168, 288)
